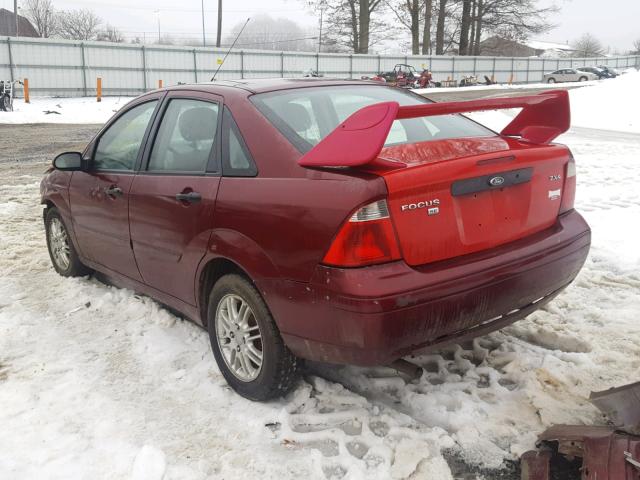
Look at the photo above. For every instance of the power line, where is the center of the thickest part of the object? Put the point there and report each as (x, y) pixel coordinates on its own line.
(178, 9)
(269, 42)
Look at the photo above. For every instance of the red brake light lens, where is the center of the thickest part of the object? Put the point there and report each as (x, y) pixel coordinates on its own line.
(367, 238)
(569, 191)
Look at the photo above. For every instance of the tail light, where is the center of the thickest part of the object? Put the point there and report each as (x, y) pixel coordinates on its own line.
(569, 193)
(366, 238)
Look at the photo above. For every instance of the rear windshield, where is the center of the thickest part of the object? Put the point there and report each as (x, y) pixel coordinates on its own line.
(307, 115)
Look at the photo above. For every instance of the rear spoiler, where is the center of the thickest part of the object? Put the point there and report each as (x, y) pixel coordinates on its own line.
(359, 139)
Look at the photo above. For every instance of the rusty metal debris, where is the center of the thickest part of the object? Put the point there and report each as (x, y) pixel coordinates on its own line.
(606, 452)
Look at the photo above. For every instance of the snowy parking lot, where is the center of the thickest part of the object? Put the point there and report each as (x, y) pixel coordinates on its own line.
(98, 382)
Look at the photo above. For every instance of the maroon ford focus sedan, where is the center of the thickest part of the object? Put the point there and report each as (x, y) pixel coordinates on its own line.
(337, 221)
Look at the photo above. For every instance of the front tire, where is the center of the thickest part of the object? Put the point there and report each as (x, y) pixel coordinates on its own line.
(63, 255)
(246, 342)
(583, 79)
(551, 80)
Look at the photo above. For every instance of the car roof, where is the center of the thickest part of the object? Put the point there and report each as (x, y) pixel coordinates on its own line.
(261, 85)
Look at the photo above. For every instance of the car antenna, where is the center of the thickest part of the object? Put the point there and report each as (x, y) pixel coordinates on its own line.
(230, 48)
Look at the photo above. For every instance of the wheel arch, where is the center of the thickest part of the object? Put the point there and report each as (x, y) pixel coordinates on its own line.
(230, 252)
(56, 200)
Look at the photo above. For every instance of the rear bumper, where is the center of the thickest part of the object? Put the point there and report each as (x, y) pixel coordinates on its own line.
(374, 315)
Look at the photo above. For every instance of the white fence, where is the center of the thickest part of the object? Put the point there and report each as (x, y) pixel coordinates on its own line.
(70, 68)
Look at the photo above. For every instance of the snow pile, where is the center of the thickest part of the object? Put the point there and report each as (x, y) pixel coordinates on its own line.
(63, 110)
(612, 104)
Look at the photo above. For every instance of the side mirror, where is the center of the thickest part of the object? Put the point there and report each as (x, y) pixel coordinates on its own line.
(68, 161)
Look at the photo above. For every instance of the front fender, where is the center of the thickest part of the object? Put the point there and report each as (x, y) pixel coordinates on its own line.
(54, 190)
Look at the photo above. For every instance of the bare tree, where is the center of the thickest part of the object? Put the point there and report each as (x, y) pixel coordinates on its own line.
(42, 16)
(472, 32)
(636, 47)
(355, 24)
(588, 46)
(442, 16)
(512, 19)
(110, 34)
(465, 27)
(408, 14)
(426, 27)
(78, 24)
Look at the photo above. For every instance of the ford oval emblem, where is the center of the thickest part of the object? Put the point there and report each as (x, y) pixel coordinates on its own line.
(496, 181)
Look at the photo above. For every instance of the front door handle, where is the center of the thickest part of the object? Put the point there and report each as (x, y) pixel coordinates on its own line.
(189, 197)
(113, 191)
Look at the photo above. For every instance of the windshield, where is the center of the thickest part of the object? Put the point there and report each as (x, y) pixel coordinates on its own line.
(306, 115)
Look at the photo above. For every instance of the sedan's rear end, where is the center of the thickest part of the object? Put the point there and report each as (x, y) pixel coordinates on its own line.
(476, 229)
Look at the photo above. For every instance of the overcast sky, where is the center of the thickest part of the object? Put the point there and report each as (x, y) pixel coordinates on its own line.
(614, 22)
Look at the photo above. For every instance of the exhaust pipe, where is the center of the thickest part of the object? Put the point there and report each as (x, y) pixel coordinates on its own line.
(407, 369)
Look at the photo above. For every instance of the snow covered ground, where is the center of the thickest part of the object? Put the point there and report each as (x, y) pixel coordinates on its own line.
(98, 382)
(63, 110)
(612, 104)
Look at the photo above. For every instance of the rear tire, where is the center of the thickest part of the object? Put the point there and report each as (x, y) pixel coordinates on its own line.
(551, 80)
(62, 253)
(583, 79)
(246, 342)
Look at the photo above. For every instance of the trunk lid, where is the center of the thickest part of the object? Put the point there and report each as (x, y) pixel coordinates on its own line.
(459, 196)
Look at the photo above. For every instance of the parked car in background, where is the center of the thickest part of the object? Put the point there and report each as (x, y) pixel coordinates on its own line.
(596, 71)
(610, 71)
(332, 220)
(569, 75)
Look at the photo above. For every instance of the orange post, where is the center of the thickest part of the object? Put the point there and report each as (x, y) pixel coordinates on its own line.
(511, 79)
(26, 91)
(159, 83)
(99, 89)
(493, 79)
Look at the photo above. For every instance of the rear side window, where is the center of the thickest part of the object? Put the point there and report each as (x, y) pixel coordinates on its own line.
(306, 115)
(236, 158)
(186, 137)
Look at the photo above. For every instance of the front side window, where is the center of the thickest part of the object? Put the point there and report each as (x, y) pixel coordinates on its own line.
(306, 115)
(186, 137)
(119, 146)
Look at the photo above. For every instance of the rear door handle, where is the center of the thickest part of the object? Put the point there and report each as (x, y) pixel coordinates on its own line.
(190, 197)
(113, 191)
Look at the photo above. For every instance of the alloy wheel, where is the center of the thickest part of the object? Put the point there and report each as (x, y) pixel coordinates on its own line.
(239, 337)
(59, 244)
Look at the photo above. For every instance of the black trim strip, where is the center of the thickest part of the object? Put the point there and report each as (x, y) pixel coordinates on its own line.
(491, 182)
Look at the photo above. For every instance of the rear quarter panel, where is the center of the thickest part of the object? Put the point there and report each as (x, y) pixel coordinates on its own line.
(291, 213)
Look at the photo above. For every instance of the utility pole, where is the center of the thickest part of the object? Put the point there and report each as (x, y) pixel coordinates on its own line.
(15, 13)
(318, 5)
(320, 33)
(204, 39)
(219, 33)
(158, 13)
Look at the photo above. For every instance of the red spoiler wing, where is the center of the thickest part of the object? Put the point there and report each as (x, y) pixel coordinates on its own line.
(359, 139)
